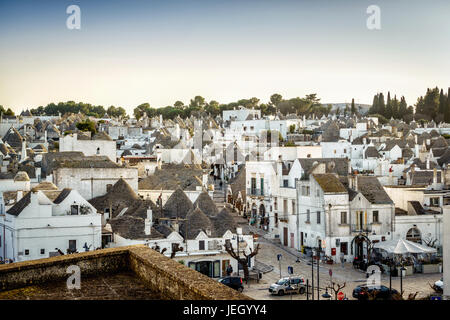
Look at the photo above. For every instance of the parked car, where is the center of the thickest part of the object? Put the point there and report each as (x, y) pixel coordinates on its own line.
(233, 282)
(360, 292)
(439, 286)
(288, 285)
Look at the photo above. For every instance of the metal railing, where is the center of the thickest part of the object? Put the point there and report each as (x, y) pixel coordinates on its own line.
(255, 192)
(361, 228)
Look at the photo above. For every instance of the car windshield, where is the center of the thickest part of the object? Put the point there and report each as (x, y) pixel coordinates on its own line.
(281, 281)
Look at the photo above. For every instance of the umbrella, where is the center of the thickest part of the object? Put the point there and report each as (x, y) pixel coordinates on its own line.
(402, 246)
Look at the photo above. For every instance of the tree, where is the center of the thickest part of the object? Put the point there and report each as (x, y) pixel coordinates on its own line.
(87, 125)
(353, 108)
(244, 260)
(178, 104)
(388, 111)
(275, 99)
(447, 108)
(336, 288)
(375, 105)
(381, 105)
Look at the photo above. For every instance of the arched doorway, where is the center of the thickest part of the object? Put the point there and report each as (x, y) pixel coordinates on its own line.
(414, 235)
(361, 245)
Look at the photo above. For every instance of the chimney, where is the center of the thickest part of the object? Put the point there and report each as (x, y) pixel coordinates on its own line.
(205, 180)
(158, 158)
(435, 178)
(23, 155)
(280, 170)
(148, 222)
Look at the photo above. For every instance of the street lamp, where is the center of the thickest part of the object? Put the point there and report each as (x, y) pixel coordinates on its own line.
(326, 295)
(401, 280)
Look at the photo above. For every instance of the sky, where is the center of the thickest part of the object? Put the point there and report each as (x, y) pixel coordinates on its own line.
(128, 52)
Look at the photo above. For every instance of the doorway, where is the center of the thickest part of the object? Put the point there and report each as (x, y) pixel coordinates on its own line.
(285, 236)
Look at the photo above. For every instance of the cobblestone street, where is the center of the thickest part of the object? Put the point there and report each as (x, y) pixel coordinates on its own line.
(352, 277)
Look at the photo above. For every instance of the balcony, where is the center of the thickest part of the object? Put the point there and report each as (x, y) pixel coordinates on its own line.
(255, 192)
(366, 228)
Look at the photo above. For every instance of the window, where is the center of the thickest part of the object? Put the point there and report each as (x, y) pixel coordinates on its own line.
(285, 206)
(307, 191)
(275, 204)
(317, 193)
(307, 215)
(303, 190)
(285, 183)
(27, 252)
(42, 251)
(343, 217)
(74, 210)
(434, 202)
(375, 216)
(262, 186)
(345, 150)
(318, 217)
(201, 245)
(334, 151)
(293, 206)
(72, 245)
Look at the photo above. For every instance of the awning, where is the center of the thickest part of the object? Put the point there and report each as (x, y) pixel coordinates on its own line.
(402, 246)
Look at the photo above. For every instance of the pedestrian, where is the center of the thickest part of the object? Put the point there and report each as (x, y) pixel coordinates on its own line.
(342, 259)
(229, 270)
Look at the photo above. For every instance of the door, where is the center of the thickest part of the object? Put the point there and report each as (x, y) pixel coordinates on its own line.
(225, 264)
(73, 245)
(292, 240)
(285, 237)
(344, 248)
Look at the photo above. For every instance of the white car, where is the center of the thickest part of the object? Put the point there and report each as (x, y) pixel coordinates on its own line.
(439, 285)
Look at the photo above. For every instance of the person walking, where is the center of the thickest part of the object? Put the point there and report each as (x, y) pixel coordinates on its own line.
(229, 270)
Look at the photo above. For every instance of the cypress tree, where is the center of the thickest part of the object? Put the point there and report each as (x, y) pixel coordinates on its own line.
(353, 108)
(388, 111)
(374, 108)
(381, 105)
(442, 102)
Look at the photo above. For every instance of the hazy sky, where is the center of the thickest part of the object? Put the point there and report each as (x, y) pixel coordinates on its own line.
(130, 52)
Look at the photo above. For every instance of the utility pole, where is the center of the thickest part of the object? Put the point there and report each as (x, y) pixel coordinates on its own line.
(318, 260)
(312, 275)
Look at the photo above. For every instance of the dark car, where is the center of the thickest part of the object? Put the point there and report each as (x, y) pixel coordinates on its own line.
(233, 282)
(361, 292)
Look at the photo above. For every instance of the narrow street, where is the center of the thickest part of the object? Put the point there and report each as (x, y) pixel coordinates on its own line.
(352, 277)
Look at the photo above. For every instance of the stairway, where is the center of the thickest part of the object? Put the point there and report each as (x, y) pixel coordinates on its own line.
(219, 195)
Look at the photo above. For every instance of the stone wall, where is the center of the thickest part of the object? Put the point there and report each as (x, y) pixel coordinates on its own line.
(176, 281)
(20, 274)
(167, 277)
